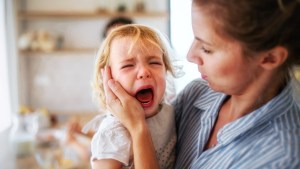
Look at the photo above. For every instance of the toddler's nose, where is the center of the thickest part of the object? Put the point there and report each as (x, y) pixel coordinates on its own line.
(144, 73)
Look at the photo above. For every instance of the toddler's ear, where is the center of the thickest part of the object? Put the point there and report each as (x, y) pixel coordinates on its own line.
(274, 58)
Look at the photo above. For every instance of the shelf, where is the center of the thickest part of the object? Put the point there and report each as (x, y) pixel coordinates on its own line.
(85, 15)
(60, 51)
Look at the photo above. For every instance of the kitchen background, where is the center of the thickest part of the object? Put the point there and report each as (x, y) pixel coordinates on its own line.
(50, 51)
(57, 76)
(52, 47)
(49, 54)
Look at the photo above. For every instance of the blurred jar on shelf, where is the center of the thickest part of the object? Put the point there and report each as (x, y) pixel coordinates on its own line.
(26, 124)
(22, 141)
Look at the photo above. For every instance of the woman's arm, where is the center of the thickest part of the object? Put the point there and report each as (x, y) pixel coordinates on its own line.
(131, 114)
(106, 164)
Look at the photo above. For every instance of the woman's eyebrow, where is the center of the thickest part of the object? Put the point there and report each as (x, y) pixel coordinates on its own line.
(203, 41)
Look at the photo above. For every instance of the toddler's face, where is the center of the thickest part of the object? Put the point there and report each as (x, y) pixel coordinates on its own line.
(141, 71)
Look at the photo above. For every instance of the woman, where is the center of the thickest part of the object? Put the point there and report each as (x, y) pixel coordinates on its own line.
(242, 113)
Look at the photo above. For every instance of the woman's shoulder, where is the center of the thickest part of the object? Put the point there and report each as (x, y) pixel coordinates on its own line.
(289, 120)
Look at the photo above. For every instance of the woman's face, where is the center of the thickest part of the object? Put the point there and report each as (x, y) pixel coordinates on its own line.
(220, 61)
(140, 70)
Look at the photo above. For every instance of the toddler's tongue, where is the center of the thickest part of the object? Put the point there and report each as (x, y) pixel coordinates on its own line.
(144, 96)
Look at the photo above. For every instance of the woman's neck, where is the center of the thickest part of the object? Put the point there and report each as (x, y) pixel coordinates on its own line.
(255, 97)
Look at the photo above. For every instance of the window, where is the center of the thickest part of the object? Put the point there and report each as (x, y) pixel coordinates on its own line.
(6, 66)
(181, 38)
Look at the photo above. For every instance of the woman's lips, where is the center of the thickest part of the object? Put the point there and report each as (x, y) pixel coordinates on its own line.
(204, 77)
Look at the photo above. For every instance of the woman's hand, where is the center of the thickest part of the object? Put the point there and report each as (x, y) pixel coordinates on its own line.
(131, 114)
(121, 104)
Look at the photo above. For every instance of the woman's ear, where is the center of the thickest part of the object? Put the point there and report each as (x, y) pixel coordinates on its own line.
(274, 57)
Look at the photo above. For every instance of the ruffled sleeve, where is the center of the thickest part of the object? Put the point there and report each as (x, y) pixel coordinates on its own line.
(93, 124)
(111, 141)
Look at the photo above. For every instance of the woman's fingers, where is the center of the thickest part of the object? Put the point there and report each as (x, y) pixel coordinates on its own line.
(112, 101)
(118, 91)
(110, 96)
(119, 102)
(114, 92)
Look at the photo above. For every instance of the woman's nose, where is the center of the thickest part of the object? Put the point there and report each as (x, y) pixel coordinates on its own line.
(143, 73)
(194, 57)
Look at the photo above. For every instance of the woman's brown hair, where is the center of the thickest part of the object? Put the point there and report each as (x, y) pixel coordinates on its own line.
(259, 25)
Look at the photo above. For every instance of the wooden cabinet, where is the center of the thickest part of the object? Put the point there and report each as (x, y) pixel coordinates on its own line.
(59, 79)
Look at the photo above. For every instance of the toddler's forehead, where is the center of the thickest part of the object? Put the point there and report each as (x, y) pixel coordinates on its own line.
(138, 43)
(137, 40)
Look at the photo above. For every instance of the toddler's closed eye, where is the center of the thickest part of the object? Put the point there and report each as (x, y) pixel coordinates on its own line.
(126, 66)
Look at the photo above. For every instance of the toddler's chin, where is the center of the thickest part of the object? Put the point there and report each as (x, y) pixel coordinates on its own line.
(153, 112)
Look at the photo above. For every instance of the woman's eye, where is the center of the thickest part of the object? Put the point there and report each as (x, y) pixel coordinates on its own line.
(206, 50)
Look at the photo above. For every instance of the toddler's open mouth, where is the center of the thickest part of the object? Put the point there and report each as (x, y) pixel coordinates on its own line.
(145, 97)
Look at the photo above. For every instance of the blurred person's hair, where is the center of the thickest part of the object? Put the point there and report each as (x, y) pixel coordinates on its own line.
(114, 22)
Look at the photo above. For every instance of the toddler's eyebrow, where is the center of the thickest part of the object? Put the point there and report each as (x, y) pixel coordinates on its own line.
(128, 59)
(154, 57)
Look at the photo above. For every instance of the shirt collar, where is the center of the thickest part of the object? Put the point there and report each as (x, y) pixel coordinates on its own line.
(209, 101)
(268, 112)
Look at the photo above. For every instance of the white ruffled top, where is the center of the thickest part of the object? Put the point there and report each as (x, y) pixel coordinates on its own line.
(113, 141)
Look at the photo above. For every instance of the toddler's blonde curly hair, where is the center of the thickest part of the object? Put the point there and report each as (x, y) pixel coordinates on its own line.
(139, 34)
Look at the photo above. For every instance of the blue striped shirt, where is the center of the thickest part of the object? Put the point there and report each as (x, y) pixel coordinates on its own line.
(268, 137)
